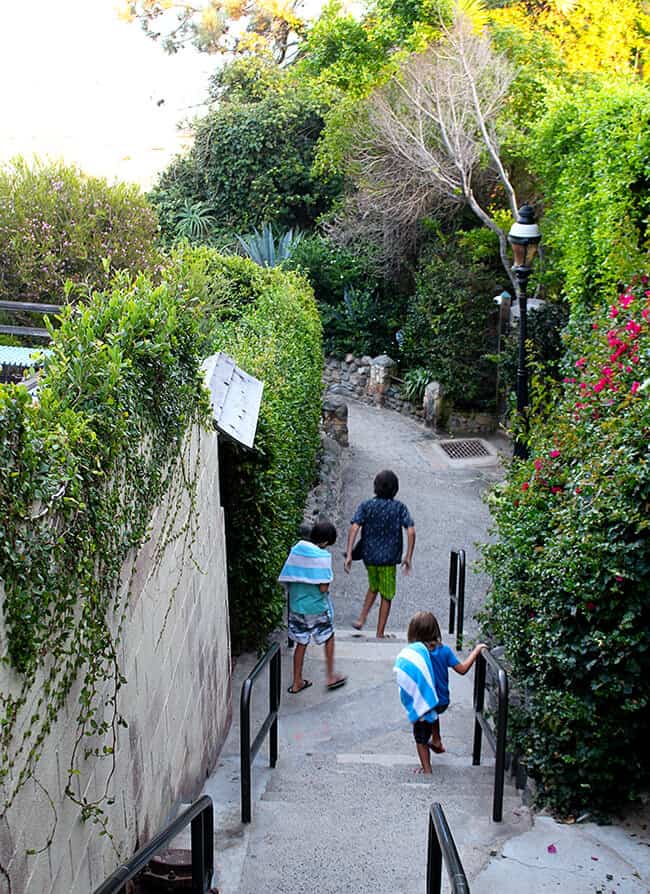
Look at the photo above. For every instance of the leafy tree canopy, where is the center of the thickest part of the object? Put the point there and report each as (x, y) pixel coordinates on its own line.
(599, 36)
(221, 26)
(591, 152)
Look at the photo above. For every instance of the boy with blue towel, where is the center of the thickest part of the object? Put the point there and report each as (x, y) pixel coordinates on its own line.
(307, 574)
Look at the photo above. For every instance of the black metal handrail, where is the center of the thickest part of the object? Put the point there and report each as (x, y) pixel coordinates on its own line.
(457, 565)
(441, 846)
(481, 725)
(246, 749)
(201, 816)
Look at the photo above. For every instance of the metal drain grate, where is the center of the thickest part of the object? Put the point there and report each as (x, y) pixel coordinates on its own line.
(464, 449)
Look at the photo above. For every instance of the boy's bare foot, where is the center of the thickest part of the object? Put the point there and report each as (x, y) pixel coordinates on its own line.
(437, 749)
(385, 636)
(420, 771)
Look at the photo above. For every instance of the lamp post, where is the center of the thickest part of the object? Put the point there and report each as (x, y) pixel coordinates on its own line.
(524, 236)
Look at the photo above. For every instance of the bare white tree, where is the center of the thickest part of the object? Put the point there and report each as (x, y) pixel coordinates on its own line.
(430, 136)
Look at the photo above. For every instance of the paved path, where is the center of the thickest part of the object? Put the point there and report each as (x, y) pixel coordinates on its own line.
(445, 499)
(343, 810)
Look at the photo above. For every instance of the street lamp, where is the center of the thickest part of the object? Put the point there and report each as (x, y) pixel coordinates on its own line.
(524, 236)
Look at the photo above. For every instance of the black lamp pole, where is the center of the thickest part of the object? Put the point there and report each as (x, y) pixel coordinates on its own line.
(524, 236)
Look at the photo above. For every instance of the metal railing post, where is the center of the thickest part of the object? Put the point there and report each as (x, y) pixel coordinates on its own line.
(457, 564)
(274, 704)
(453, 571)
(500, 752)
(201, 817)
(248, 749)
(245, 750)
(479, 700)
(460, 599)
(441, 846)
(498, 742)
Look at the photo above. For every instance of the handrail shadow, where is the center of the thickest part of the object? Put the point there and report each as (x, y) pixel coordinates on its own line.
(481, 725)
(247, 750)
(201, 816)
(442, 848)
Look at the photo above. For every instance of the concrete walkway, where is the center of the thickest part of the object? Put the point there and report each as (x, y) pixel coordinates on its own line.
(343, 810)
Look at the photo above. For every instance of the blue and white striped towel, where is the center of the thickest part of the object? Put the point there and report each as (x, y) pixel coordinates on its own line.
(414, 676)
(307, 564)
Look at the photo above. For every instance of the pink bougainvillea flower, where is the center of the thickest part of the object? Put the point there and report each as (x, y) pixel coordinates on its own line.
(578, 490)
(619, 577)
(538, 464)
(583, 386)
(645, 313)
(613, 312)
(581, 362)
(607, 372)
(626, 300)
(602, 383)
(595, 326)
(635, 387)
(590, 606)
(556, 489)
(634, 358)
(525, 486)
(633, 328)
(554, 453)
(644, 278)
(551, 849)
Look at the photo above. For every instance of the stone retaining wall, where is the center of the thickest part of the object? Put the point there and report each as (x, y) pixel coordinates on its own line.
(351, 377)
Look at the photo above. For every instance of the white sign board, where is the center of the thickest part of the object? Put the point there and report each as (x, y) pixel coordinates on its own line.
(235, 396)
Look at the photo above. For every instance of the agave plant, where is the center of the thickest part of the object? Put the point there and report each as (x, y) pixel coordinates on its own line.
(262, 247)
(194, 220)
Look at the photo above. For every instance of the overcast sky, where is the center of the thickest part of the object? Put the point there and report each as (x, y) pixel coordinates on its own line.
(77, 83)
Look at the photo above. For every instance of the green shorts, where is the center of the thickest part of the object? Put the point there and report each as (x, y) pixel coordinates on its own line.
(382, 579)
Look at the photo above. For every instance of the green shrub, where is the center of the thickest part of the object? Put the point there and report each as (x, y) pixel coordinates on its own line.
(570, 596)
(57, 224)
(592, 153)
(331, 269)
(451, 322)
(250, 163)
(268, 322)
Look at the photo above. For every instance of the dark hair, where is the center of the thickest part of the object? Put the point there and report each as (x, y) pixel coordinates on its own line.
(323, 532)
(424, 628)
(386, 485)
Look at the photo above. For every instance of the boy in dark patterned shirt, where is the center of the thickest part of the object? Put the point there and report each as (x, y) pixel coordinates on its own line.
(380, 521)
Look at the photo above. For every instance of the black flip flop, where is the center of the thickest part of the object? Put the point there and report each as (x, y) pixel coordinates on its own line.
(305, 685)
(338, 683)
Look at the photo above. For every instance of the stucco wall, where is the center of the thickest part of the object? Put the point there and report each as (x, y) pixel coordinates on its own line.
(177, 702)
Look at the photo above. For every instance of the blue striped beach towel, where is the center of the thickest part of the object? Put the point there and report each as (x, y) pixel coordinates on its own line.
(307, 564)
(414, 676)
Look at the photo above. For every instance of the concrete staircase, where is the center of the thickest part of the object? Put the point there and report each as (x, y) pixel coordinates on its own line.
(343, 809)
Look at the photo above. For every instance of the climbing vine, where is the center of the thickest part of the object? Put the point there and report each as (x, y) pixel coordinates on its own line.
(82, 469)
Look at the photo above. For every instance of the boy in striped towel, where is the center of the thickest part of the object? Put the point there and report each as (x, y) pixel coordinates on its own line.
(417, 690)
(307, 575)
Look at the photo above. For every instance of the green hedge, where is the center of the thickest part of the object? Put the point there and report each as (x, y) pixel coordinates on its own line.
(591, 152)
(570, 599)
(58, 224)
(268, 322)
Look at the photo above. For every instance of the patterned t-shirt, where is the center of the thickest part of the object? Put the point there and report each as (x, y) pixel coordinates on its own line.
(382, 522)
